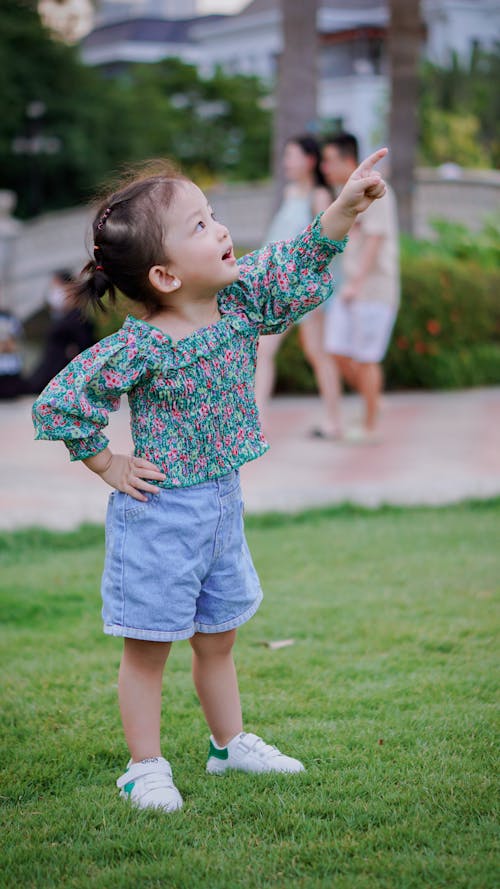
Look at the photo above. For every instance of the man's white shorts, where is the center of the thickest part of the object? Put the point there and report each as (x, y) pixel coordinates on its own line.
(359, 329)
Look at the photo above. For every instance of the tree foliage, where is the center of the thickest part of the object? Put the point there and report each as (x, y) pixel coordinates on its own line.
(211, 126)
(460, 111)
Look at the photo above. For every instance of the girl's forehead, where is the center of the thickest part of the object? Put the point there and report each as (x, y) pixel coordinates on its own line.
(188, 193)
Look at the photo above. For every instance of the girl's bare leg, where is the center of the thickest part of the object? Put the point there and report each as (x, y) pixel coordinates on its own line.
(139, 693)
(216, 683)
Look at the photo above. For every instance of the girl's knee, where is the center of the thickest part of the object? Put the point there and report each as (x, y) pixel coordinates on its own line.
(212, 644)
(145, 653)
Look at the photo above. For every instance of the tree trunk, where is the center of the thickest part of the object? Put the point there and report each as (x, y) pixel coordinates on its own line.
(295, 111)
(405, 39)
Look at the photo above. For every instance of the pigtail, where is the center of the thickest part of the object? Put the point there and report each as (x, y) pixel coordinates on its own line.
(91, 286)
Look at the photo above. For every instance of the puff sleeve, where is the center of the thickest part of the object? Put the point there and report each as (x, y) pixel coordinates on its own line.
(287, 279)
(75, 405)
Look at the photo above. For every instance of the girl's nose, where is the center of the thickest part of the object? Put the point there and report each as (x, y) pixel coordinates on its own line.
(223, 230)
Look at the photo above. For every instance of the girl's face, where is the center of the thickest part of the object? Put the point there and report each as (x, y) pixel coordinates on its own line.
(297, 165)
(199, 247)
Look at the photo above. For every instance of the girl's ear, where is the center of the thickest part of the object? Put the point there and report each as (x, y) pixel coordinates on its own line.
(162, 280)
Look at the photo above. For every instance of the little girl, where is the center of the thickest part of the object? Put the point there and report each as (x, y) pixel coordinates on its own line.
(177, 564)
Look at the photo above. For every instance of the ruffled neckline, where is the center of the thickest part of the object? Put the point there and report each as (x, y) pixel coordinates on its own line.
(161, 352)
(141, 327)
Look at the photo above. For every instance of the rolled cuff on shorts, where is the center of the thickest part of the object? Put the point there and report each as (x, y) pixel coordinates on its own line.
(180, 635)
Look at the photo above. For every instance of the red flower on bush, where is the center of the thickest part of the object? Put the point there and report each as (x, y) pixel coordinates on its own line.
(420, 347)
(402, 342)
(433, 326)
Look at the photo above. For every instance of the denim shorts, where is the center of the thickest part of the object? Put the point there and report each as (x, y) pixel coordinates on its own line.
(179, 563)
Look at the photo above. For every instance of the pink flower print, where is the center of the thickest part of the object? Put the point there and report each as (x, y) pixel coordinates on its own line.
(111, 378)
(218, 445)
(176, 414)
(158, 425)
(240, 435)
(235, 451)
(228, 356)
(204, 411)
(173, 454)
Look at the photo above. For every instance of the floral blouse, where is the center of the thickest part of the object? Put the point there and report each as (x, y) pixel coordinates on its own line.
(192, 405)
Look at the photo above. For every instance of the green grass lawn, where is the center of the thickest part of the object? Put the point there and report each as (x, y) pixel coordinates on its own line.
(388, 696)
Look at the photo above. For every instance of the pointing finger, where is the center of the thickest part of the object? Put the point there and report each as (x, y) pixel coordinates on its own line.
(366, 167)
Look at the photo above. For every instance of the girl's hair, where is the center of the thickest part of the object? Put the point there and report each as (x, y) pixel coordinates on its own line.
(129, 231)
(63, 275)
(310, 146)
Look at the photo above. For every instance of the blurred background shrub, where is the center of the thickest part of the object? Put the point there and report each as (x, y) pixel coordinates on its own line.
(447, 334)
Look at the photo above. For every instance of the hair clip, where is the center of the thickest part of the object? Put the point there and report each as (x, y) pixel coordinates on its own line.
(99, 268)
(100, 224)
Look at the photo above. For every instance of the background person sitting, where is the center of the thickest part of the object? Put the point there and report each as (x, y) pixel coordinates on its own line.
(69, 333)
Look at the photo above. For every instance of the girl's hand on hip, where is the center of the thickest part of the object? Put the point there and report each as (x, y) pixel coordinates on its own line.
(126, 474)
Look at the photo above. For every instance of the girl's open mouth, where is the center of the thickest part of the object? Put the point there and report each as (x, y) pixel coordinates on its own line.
(228, 254)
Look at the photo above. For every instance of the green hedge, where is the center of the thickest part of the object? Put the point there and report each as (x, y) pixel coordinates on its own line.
(447, 334)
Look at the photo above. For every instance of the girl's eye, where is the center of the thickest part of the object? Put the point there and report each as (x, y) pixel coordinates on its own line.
(200, 226)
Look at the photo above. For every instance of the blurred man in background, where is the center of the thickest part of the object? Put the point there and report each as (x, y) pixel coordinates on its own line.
(360, 322)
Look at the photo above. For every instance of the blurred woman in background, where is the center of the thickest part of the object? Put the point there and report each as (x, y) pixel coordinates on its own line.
(305, 195)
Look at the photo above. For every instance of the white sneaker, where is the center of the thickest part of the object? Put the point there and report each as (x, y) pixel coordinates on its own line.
(148, 784)
(361, 435)
(249, 753)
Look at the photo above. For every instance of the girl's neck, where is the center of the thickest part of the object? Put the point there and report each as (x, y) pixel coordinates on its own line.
(185, 317)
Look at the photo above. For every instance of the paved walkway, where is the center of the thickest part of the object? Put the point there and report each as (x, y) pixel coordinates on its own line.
(436, 448)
